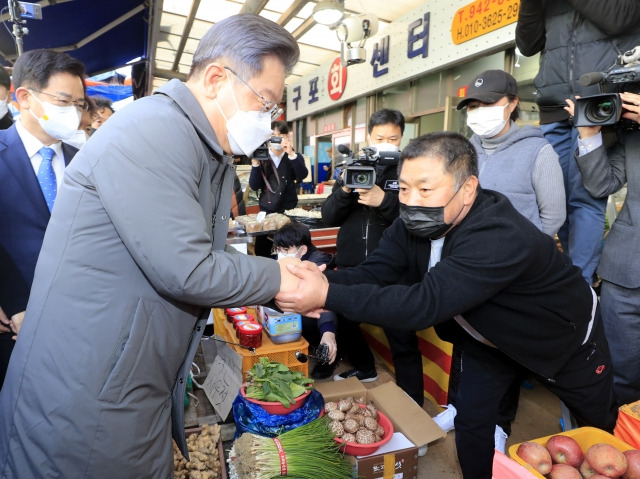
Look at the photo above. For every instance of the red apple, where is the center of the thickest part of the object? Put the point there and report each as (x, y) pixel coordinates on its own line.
(586, 470)
(564, 471)
(536, 455)
(599, 476)
(565, 450)
(606, 459)
(633, 464)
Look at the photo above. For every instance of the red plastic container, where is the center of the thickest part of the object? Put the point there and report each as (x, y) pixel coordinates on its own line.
(276, 407)
(242, 317)
(250, 334)
(355, 449)
(231, 312)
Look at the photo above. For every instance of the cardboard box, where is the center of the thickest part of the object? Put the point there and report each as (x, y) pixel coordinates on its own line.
(407, 418)
(585, 436)
(397, 459)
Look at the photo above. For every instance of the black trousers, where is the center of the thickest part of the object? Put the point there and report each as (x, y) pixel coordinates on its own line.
(407, 358)
(584, 384)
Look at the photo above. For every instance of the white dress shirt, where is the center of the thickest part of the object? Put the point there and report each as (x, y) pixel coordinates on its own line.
(33, 145)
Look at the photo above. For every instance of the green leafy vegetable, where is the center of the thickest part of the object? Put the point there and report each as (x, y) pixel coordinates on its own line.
(275, 382)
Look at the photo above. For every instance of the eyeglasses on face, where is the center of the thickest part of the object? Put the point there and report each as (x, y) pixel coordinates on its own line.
(268, 107)
(81, 105)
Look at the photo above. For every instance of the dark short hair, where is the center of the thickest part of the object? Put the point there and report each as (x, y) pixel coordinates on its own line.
(384, 117)
(35, 68)
(5, 79)
(242, 42)
(292, 234)
(281, 126)
(91, 103)
(458, 154)
(102, 102)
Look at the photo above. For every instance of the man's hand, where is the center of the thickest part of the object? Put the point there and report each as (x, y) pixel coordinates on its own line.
(286, 146)
(288, 282)
(16, 323)
(370, 197)
(310, 295)
(632, 106)
(5, 326)
(584, 131)
(329, 338)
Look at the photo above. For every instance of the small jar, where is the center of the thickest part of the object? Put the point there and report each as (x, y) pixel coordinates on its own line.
(242, 317)
(240, 323)
(250, 334)
(231, 312)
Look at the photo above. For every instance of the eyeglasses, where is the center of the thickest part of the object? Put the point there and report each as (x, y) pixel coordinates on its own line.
(268, 107)
(81, 105)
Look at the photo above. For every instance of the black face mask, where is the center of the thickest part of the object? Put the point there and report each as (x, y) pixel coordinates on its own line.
(426, 221)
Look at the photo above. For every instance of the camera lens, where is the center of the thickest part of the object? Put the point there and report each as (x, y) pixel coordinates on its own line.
(600, 111)
(361, 179)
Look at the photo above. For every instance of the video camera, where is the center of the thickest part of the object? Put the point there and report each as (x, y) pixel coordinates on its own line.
(360, 172)
(262, 152)
(606, 108)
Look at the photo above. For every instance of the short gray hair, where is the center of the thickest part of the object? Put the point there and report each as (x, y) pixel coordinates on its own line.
(242, 42)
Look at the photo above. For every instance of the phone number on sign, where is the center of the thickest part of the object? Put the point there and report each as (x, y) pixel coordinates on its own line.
(482, 16)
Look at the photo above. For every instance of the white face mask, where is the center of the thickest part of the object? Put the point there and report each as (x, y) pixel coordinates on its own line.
(78, 139)
(276, 146)
(59, 122)
(4, 108)
(289, 255)
(246, 130)
(386, 147)
(487, 121)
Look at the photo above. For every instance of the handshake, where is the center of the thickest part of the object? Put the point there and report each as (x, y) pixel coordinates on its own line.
(303, 287)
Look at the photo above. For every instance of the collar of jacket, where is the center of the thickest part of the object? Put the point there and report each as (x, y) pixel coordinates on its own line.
(186, 101)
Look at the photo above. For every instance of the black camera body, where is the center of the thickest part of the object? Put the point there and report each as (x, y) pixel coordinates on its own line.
(262, 152)
(360, 172)
(322, 353)
(606, 108)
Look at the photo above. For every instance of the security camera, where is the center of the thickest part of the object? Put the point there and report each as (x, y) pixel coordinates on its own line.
(356, 28)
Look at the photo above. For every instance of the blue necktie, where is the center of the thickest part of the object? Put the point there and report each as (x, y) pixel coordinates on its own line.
(47, 177)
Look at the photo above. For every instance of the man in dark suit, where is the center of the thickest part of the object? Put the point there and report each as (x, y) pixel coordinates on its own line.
(50, 90)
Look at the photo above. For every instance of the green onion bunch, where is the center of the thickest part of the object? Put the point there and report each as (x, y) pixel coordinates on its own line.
(310, 451)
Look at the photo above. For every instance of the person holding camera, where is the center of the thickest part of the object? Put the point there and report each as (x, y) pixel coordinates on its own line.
(277, 178)
(363, 215)
(294, 240)
(605, 170)
(461, 253)
(574, 38)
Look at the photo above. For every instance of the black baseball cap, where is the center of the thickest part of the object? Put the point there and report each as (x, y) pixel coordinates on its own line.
(489, 86)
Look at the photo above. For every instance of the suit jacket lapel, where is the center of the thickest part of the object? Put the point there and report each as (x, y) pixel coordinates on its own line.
(17, 162)
(69, 152)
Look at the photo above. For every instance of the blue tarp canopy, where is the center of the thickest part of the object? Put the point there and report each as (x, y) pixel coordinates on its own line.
(103, 34)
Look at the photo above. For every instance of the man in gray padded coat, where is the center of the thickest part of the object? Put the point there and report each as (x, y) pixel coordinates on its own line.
(133, 258)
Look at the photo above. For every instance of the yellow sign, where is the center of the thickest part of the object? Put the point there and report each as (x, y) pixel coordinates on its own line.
(482, 16)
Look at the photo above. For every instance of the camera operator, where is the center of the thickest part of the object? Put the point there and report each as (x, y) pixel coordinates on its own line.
(277, 178)
(363, 215)
(605, 171)
(574, 38)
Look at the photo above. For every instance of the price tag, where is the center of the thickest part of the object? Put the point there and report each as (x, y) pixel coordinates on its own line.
(482, 16)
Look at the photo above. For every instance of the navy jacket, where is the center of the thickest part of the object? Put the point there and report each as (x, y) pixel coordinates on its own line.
(23, 214)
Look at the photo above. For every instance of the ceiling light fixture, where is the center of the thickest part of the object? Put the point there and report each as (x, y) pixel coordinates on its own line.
(328, 12)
